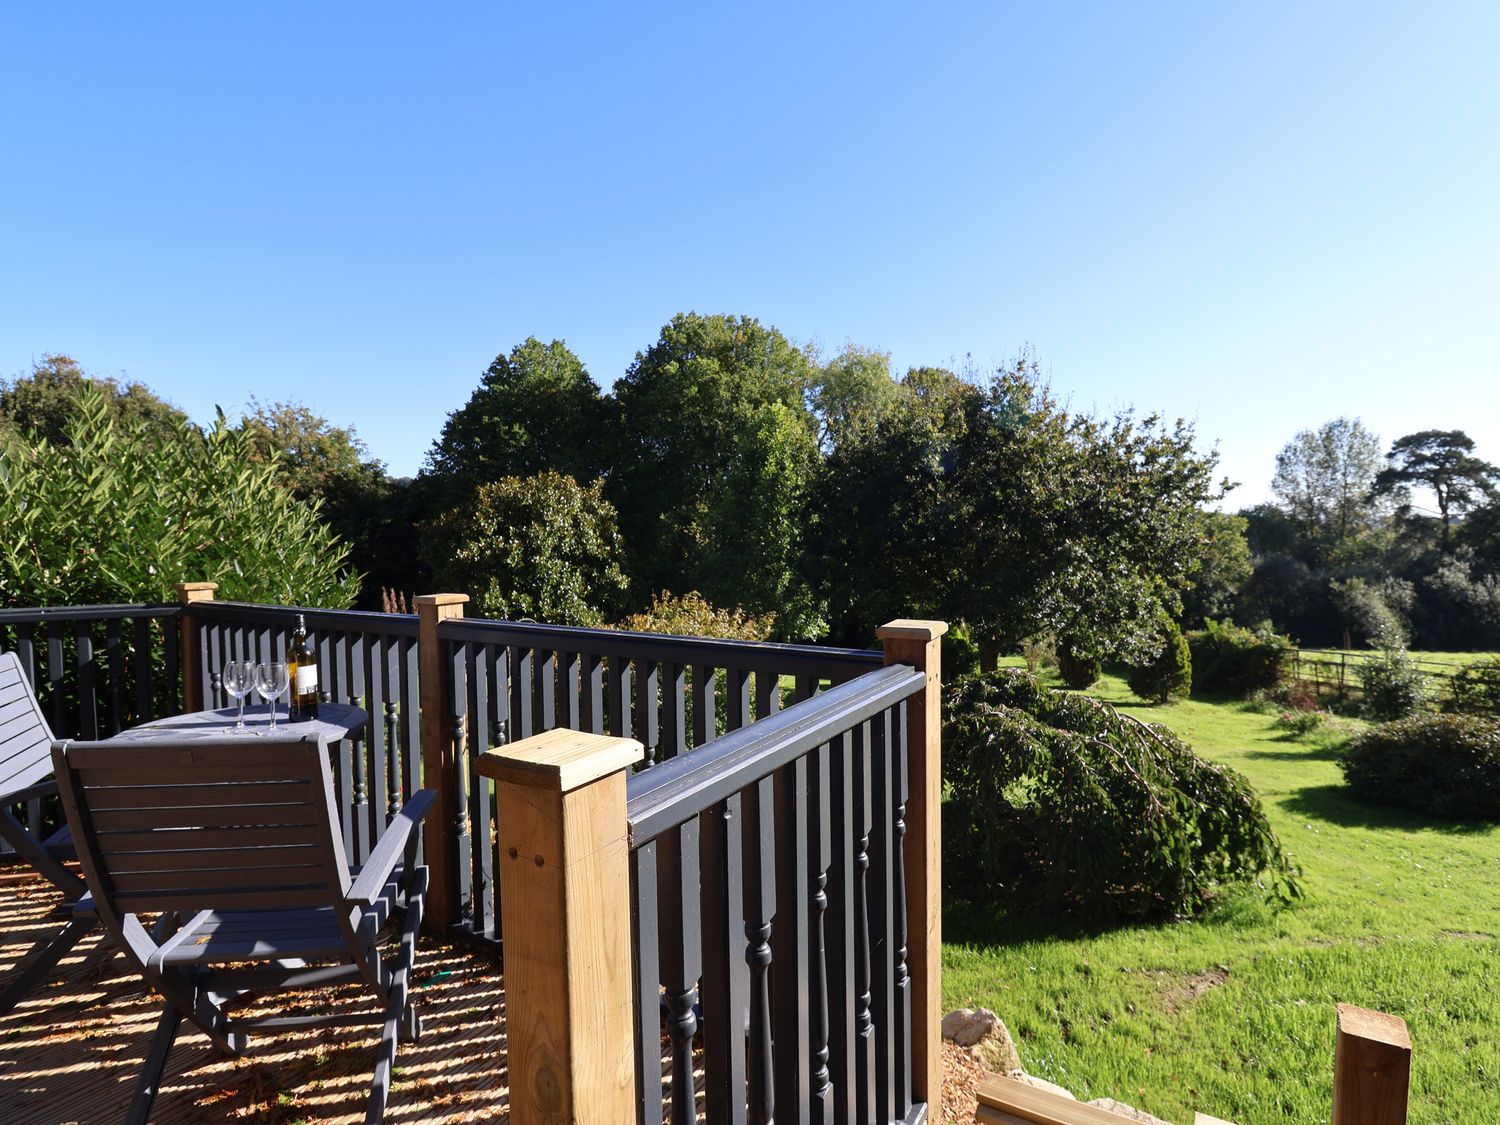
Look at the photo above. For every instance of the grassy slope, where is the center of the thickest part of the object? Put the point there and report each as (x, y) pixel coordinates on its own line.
(1400, 913)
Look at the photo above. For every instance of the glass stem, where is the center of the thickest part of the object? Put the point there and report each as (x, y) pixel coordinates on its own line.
(239, 723)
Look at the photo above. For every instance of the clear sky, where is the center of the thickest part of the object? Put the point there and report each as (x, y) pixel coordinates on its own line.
(1258, 216)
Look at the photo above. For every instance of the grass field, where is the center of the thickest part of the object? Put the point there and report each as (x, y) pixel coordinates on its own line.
(1234, 1014)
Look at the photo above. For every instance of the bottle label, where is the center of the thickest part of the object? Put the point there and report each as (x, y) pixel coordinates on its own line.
(307, 678)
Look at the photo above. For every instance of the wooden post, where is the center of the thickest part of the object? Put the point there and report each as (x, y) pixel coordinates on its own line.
(440, 756)
(916, 643)
(565, 920)
(1371, 1068)
(192, 680)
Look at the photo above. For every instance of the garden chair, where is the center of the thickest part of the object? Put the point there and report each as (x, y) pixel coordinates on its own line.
(25, 760)
(235, 844)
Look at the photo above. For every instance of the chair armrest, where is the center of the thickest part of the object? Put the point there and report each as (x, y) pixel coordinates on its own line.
(40, 789)
(387, 852)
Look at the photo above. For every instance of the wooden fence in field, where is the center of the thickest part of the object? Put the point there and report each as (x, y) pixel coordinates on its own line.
(1338, 674)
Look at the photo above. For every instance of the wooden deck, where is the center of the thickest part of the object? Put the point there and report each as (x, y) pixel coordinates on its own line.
(71, 1051)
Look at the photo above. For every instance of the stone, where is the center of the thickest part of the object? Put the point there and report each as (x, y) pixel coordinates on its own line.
(968, 1026)
(1128, 1112)
(986, 1037)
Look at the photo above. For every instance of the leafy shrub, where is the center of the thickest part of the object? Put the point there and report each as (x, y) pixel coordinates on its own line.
(1038, 651)
(1079, 668)
(542, 547)
(1476, 687)
(1229, 659)
(1058, 801)
(960, 652)
(690, 615)
(1170, 674)
(1447, 765)
(1393, 686)
(126, 506)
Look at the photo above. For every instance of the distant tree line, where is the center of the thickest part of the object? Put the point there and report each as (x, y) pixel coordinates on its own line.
(733, 476)
(1363, 547)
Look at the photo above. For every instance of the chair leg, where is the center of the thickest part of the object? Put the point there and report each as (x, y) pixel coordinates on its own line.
(42, 959)
(156, 1065)
(385, 1063)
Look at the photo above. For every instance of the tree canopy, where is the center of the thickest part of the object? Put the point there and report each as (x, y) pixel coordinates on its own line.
(1324, 479)
(535, 410)
(1444, 462)
(44, 402)
(713, 452)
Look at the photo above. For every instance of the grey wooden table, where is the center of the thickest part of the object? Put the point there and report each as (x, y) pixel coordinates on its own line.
(336, 720)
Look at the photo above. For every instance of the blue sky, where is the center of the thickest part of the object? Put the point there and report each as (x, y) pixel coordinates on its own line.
(1256, 216)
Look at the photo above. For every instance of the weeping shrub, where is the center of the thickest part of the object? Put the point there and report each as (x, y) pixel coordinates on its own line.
(1059, 802)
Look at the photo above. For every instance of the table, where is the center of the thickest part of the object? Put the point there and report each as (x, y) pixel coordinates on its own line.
(337, 721)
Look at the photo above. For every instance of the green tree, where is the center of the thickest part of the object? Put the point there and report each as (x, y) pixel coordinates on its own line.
(43, 402)
(713, 454)
(1223, 549)
(879, 536)
(318, 461)
(535, 409)
(118, 513)
(542, 547)
(1442, 461)
(851, 393)
(1070, 525)
(1324, 479)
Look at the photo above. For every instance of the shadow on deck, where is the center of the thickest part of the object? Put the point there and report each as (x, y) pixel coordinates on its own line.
(72, 1050)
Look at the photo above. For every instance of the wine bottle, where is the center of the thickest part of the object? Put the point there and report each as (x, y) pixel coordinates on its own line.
(302, 669)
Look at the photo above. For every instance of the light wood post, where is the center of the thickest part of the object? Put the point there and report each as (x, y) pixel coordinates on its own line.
(192, 672)
(1371, 1068)
(917, 643)
(565, 920)
(442, 754)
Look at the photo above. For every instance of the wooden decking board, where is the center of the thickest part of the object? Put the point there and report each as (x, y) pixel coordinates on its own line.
(72, 1050)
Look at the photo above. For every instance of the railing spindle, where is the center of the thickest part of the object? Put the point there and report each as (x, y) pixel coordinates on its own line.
(760, 906)
(726, 993)
(673, 710)
(645, 944)
(864, 1025)
(681, 957)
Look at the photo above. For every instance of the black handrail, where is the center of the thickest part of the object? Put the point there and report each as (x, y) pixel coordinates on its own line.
(665, 648)
(88, 612)
(344, 620)
(681, 788)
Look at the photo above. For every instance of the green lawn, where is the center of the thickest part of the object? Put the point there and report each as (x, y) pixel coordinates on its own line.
(1233, 1014)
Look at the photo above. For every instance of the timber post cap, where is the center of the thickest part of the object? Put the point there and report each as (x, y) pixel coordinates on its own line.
(906, 629)
(440, 599)
(187, 590)
(1364, 1023)
(563, 759)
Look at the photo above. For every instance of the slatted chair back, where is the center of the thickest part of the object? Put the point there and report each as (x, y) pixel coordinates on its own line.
(25, 738)
(181, 824)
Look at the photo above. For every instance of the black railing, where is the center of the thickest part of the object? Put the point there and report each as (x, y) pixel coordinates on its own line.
(510, 680)
(769, 916)
(96, 670)
(366, 659)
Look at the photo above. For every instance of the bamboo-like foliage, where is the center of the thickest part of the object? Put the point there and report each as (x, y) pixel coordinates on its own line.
(116, 515)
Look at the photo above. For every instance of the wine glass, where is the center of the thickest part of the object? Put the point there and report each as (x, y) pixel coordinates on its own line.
(238, 677)
(271, 683)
